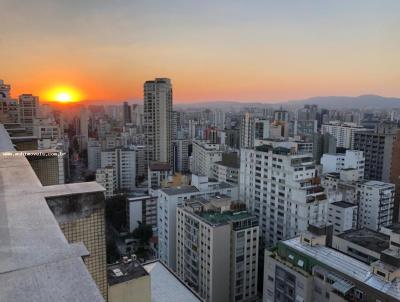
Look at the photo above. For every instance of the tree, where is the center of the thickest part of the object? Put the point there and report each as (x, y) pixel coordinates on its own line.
(116, 211)
(143, 232)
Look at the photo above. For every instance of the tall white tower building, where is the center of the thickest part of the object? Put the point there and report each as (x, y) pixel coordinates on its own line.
(158, 120)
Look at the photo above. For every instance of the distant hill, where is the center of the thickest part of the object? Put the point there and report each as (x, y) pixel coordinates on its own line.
(328, 102)
(347, 102)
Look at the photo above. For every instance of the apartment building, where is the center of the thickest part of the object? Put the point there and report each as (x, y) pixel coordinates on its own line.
(342, 216)
(158, 120)
(306, 268)
(217, 249)
(28, 111)
(343, 132)
(204, 156)
(377, 146)
(168, 199)
(106, 177)
(282, 190)
(336, 162)
(94, 154)
(141, 209)
(227, 170)
(123, 161)
(376, 203)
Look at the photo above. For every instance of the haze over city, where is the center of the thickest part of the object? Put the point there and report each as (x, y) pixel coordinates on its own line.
(265, 51)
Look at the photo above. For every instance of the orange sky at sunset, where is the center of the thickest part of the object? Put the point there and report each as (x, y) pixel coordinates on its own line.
(211, 51)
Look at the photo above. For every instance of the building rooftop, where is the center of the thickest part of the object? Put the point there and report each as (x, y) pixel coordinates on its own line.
(367, 238)
(36, 261)
(180, 190)
(230, 160)
(343, 204)
(159, 166)
(166, 286)
(217, 218)
(124, 271)
(346, 265)
(218, 210)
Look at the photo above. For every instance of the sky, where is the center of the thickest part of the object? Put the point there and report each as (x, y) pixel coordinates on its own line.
(213, 50)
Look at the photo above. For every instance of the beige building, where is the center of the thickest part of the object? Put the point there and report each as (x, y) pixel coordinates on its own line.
(48, 166)
(79, 210)
(106, 178)
(28, 111)
(128, 281)
(158, 120)
(217, 249)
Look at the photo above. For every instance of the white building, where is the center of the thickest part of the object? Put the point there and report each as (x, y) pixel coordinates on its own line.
(374, 199)
(106, 178)
(204, 156)
(343, 216)
(217, 249)
(46, 128)
(350, 160)
(281, 189)
(376, 202)
(343, 132)
(124, 163)
(219, 119)
(170, 198)
(28, 111)
(94, 154)
(158, 119)
(247, 131)
(142, 209)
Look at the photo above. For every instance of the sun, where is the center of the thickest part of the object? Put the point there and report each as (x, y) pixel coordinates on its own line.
(63, 97)
(63, 94)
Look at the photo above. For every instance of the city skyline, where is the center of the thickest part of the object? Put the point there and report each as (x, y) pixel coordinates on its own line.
(212, 51)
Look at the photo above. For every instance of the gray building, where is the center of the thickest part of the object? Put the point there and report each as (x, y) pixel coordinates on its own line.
(377, 147)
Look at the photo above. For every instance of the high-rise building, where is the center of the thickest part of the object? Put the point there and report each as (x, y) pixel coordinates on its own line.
(141, 210)
(281, 188)
(217, 249)
(378, 150)
(322, 143)
(94, 154)
(395, 176)
(106, 178)
(8, 107)
(38, 261)
(158, 120)
(170, 198)
(127, 113)
(80, 211)
(181, 155)
(84, 128)
(219, 119)
(376, 202)
(343, 132)
(204, 156)
(123, 162)
(28, 111)
(247, 131)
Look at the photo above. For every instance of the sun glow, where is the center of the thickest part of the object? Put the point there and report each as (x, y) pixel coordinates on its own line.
(63, 94)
